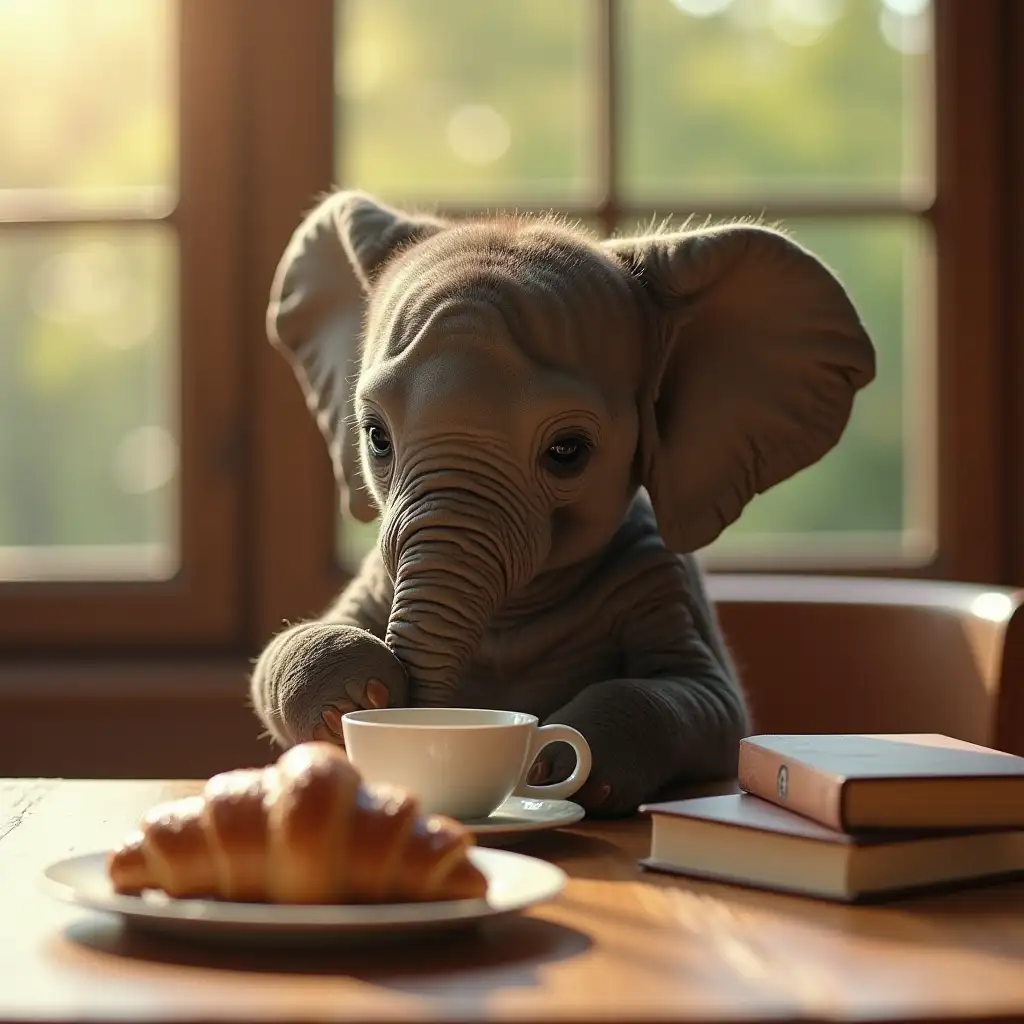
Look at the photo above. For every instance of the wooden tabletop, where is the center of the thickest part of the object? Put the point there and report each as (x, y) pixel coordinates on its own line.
(619, 944)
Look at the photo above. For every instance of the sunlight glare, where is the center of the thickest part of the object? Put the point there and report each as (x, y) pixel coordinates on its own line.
(478, 134)
(993, 606)
(907, 33)
(907, 8)
(145, 460)
(364, 72)
(701, 8)
(804, 22)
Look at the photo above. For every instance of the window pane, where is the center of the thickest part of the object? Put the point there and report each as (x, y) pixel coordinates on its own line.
(88, 403)
(461, 100)
(90, 102)
(873, 496)
(730, 98)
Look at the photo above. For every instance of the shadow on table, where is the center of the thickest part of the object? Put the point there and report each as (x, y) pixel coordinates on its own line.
(610, 850)
(984, 918)
(581, 853)
(423, 966)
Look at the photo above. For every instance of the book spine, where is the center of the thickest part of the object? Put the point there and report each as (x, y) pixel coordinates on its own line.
(790, 784)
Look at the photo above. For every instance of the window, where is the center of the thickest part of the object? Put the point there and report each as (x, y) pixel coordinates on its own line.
(161, 482)
(89, 171)
(118, 373)
(813, 112)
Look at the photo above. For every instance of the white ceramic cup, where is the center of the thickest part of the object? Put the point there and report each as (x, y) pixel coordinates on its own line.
(459, 762)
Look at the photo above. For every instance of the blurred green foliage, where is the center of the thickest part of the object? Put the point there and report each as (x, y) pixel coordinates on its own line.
(772, 96)
(95, 87)
(446, 101)
(88, 316)
(87, 392)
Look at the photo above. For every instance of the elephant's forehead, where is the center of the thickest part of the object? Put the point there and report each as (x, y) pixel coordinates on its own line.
(485, 310)
(502, 292)
(465, 320)
(463, 360)
(456, 346)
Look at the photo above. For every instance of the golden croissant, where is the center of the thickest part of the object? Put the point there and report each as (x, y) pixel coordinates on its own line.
(306, 829)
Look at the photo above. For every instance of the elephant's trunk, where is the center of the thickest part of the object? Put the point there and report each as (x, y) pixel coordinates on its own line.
(453, 568)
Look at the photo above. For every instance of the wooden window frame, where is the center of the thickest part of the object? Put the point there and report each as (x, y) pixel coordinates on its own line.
(200, 606)
(1011, 399)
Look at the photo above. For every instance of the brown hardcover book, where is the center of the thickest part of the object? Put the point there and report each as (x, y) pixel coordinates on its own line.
(742, 840)
(855, 783)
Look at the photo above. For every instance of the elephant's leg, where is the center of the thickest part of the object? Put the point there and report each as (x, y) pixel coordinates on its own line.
(312, 673)
(675, 712)
(646, 734)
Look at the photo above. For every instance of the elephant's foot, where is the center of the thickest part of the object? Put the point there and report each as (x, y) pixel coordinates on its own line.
(314, 673)
(556, 767)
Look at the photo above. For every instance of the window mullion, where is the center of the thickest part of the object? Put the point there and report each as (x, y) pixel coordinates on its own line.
(292, 495)
(606, 75)
(1013, 175)
(968, 222)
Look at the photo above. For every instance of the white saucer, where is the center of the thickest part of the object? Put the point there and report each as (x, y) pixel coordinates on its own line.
(515, 882)
(519, 816)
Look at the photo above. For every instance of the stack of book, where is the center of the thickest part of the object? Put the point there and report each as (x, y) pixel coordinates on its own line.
(851, 818)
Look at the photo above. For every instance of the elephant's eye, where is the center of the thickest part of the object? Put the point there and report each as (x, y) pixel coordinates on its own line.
(379, 442)
(568, 456)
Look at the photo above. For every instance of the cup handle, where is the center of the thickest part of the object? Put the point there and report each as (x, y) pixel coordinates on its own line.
(559, 790)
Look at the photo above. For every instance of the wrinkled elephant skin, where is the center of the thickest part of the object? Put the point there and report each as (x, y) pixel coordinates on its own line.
(548, 426)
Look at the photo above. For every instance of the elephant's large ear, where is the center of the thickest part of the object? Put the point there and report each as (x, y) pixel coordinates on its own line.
(315, 314)
(756, 355)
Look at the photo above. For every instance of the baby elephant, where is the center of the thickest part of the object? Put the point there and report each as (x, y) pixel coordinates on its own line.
(549, 426)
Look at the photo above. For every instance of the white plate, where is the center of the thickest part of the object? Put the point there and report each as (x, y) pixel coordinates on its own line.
(518, 816)
(514, 883)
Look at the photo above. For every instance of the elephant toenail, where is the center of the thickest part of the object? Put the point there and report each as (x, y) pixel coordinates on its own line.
(332, 719)
(377, 693)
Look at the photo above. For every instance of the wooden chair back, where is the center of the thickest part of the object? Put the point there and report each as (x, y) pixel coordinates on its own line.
(833, 654)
